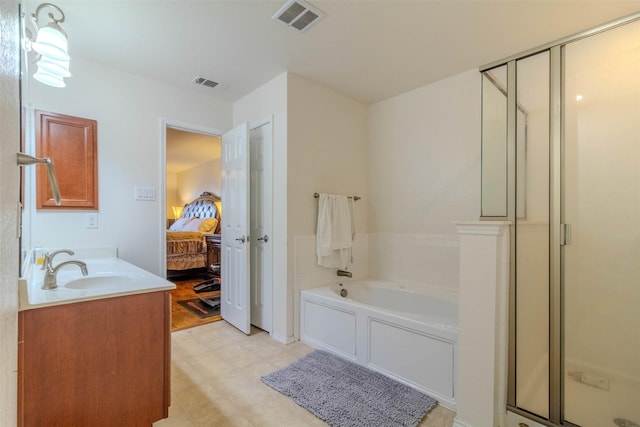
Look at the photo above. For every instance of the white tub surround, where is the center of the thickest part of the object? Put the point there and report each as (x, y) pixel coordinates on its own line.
(483, 305)
(424, 260)
(406, 335)
(308, 274)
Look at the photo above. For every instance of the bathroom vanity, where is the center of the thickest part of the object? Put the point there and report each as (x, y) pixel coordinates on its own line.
(99, 359)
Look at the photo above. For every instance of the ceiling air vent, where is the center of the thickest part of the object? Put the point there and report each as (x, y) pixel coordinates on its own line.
(204, 82)
(298, 14)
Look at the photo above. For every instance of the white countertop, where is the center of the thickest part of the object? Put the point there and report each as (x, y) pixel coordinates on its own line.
(108, 277)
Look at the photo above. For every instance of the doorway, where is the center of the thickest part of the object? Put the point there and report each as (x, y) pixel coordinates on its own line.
(193, 151)
(209, 177)
(192, 167)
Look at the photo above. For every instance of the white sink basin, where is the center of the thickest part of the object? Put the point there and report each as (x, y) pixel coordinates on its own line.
(100, 282)
(107, 277)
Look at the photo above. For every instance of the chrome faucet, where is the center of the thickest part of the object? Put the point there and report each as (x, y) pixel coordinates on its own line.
(344, 273)
(48, 257)
(50, 282)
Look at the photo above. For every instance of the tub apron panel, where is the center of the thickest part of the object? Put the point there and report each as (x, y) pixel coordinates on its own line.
(419, 351)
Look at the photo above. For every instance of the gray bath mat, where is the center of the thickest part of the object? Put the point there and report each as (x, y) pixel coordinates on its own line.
(343, 394)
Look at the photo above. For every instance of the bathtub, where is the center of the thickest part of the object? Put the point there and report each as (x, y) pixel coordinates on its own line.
(409, 336)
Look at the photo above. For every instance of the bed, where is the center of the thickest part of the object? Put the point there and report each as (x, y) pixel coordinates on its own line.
(186, 243)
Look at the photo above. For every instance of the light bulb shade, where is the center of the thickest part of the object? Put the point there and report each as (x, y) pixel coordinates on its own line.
(55, 67)
(51, 42)
(49, 79)
(177, 211)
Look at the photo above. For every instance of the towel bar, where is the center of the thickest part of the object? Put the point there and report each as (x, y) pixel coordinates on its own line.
(355, 198)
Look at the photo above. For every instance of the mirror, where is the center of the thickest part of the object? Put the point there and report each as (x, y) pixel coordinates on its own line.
(495, 199)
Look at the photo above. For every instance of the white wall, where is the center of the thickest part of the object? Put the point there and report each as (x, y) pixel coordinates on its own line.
(270, 100)
(128, 109)
(204, 177)
(319, 146)
(327, 153)
(424, 172)
(172, 198)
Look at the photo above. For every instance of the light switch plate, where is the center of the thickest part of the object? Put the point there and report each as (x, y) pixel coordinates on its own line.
(145, 193)
(92, 220)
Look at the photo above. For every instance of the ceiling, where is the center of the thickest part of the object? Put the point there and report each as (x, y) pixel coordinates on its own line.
(368, 50)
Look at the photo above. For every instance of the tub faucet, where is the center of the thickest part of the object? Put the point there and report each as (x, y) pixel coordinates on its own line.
(51, 273)
(344, 273)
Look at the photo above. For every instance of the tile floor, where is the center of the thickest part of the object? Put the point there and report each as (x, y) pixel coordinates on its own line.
(215, 374)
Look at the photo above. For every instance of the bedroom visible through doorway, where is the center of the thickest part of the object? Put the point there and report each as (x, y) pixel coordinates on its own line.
(192, 168)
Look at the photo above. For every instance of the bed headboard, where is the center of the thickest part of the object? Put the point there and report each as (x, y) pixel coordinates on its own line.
(203, 207)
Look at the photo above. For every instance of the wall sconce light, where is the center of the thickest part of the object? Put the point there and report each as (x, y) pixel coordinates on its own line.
(177, 211)
(52, 47)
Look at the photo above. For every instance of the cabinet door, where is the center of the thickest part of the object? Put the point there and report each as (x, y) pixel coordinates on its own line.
(72, 144)
(99, 363)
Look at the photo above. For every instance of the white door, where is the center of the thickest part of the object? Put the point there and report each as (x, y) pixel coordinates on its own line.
(234, 302)
(260, 142)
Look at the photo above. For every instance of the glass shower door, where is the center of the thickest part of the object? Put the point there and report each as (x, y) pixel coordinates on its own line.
(601, 207)
(531, 385)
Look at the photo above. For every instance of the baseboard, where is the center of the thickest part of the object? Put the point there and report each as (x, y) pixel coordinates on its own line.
(458, 423)
(282, 339)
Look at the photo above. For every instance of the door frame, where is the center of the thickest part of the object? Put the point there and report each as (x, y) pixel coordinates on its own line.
(161, 195)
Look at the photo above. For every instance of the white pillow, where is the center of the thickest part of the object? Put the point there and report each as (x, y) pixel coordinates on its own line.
(202, 225)
(180, 223)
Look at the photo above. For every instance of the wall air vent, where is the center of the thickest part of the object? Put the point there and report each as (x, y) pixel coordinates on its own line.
(205, 82)
(298, 14)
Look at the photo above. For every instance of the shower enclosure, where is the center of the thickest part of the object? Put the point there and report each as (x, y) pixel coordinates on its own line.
(561, 162)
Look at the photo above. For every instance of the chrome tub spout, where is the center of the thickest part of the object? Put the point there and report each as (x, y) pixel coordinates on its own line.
(344, 273)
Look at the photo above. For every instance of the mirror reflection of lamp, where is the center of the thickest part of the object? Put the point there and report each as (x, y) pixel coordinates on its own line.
(51, 46)
(177, 211)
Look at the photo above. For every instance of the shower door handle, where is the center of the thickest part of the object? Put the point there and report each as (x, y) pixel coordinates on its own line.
(565, 234)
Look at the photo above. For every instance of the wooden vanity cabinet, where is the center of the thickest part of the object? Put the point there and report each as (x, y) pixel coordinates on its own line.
(96, 363)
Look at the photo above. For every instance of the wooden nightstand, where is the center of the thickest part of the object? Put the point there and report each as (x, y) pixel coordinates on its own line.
(213, 254)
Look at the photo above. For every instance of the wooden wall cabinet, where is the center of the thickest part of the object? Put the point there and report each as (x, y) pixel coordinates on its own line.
(72, 144)
(100, 363)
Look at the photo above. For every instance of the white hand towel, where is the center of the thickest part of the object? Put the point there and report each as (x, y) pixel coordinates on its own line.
(334, 234)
